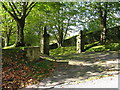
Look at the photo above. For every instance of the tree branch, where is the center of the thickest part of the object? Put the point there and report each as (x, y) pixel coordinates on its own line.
(67, 28)
(100, 13)
(55, 34)
(30, 5)
(30, 8)
(24, 10)
(56, 37)
(13, 9)
(3, 5)
(57, 27)
(16, 8)
(100, 10)
(105, 11)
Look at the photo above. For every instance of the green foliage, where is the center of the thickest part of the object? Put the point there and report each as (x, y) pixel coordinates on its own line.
(19, 71)
(7, 25)
(31, 39)
(107, 47)
(58, 17)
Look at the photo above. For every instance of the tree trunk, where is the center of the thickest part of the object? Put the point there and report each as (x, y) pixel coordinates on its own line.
(7, 39)
(3, 42)
(60, 39)
(8, 34)
(103, 36)
(104, 30)
(46, 42)
(118, 35)
(19, 13)
(103, 20)
(60, 42)
(20, 33)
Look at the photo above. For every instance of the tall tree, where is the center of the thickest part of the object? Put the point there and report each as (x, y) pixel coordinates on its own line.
(102, 16)
(7, 30)
(62, 20)
(103, 20)
(19, 11)
(7, 27)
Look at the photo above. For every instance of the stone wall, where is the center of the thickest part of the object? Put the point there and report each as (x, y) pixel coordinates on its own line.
(32, 53)
(68, 42)
(91, 37)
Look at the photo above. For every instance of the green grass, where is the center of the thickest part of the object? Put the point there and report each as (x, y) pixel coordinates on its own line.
(91, 45)
(92, 48)
(63, 51)
(107, 47)
(21, 48)
(67, 50)
(8, 47)
(13, 47)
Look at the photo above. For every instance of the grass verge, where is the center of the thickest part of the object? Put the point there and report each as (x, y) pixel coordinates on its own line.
(106, 47)
(91, 48)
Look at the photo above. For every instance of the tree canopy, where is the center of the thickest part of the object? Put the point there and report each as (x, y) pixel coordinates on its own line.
(61, 19)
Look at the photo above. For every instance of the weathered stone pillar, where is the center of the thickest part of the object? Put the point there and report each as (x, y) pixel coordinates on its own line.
(80, 42)
(46, 42)
(118, 34)
(41, 41)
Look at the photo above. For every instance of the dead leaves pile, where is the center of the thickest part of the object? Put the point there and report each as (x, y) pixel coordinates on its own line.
(18, 72)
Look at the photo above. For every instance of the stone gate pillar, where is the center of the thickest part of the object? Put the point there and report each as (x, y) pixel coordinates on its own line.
(46, 42)
(80, 42)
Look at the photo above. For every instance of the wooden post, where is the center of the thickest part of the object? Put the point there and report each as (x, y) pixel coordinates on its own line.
(80, 42)
(46, 42)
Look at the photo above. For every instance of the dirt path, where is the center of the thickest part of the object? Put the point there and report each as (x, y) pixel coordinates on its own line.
(99, 83)
(81, 68)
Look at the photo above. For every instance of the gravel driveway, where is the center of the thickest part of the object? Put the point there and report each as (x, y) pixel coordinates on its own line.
(107, 82)
(86, 70)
